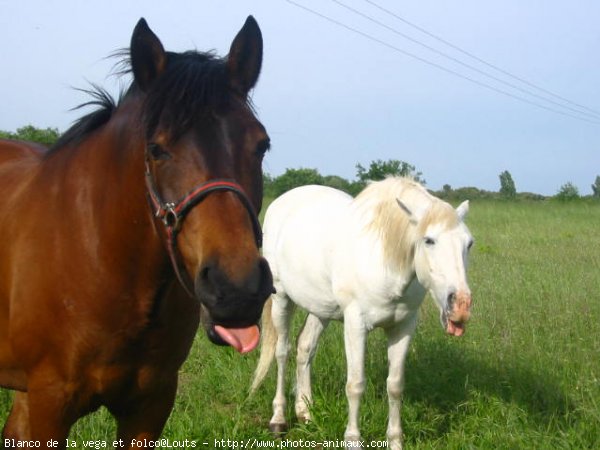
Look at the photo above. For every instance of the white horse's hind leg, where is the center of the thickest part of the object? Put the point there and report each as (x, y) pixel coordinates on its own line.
(307, 345)
(355, 338)
(281, 313)
(399, 338)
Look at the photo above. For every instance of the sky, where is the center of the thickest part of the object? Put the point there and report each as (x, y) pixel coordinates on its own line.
(343, 90)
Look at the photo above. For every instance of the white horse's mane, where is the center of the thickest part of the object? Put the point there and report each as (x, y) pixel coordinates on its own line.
(377, 206)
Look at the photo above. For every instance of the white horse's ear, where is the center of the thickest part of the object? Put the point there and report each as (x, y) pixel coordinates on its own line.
(463, 209)
(413, 219)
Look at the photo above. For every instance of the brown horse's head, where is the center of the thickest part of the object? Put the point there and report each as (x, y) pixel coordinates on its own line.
(204, 151)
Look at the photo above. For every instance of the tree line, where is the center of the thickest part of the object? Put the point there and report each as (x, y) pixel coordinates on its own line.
(377, 170)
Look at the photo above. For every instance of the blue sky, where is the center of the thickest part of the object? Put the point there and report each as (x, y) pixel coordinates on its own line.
(331, 98)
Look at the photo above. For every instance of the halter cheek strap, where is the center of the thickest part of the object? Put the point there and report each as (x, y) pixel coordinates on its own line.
(172, 215)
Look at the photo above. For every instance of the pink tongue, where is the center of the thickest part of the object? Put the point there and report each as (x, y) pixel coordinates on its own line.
(455, 328)
(242, 339)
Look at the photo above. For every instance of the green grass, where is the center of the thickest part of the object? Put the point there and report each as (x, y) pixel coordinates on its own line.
(526, 374)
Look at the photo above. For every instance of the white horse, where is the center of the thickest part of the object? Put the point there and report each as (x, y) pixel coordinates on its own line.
(369, 262)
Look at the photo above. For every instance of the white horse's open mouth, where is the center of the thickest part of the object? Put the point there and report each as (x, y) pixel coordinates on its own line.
(455, 328)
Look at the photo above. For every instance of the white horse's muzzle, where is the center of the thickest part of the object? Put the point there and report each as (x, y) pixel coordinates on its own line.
(457, 314)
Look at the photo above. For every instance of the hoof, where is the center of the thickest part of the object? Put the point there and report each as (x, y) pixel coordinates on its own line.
(303, 416)
(278, 429)
(302, 412)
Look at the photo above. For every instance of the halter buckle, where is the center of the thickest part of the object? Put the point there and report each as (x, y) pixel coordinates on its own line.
(170, 217)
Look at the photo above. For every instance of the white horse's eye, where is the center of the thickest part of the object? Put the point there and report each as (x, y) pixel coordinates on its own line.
(429, 241)
(469, 245)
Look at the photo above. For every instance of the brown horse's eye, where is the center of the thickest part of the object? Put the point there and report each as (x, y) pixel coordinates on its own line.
(158, 153)
(263, 147)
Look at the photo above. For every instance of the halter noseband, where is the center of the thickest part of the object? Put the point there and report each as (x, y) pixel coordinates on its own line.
(172, 215)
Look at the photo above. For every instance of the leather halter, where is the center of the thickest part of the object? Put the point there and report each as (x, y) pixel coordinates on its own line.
(172, 215)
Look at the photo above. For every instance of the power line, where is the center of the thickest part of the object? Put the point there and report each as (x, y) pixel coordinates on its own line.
(475, 57)
(438, 66)
(462, 63)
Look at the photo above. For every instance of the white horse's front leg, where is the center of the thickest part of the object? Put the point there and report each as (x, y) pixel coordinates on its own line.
(355, 338)
(307, 345)
(399, 337)
(281, 312)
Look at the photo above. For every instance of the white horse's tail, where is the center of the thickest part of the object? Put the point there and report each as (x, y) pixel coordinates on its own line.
(267, 346)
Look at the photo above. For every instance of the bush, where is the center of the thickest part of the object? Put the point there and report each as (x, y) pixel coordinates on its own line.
(567, 192)
(464, 193)
(530, 196)
(47, 136)
(293, 178)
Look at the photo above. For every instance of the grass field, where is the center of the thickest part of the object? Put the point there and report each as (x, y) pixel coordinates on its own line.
(526, 374)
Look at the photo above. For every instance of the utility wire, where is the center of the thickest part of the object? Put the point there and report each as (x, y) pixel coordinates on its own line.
(475, 57)
(438, 66)
(469, 66)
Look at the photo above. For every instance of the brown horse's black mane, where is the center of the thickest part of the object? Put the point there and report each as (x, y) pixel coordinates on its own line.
(192, 87)
(90, 122)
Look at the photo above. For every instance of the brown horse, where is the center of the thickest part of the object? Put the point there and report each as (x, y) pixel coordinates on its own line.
(142, 214)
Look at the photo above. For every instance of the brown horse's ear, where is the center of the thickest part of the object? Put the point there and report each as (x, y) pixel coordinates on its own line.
(245, 57)
(148, 56)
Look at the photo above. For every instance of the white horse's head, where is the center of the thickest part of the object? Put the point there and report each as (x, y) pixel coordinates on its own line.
(440, 260)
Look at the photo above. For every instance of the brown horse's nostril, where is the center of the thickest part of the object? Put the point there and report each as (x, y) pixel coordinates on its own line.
(210, 283)
(234, 300)
(203, 274)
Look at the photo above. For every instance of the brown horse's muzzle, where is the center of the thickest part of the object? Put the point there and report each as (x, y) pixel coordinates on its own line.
(231, 310)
